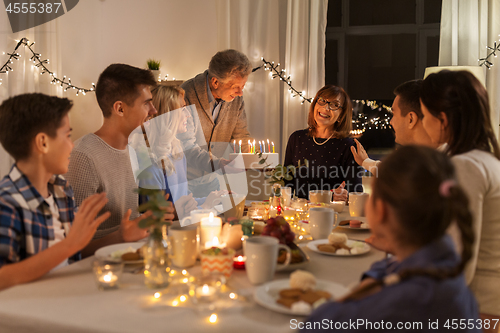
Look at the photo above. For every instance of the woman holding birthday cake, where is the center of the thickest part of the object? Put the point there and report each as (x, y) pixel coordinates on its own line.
(326, 145)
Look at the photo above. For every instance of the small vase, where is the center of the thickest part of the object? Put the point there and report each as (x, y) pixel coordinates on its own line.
(156, 259)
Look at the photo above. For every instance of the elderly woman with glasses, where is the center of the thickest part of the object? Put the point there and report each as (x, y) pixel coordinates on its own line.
(321, 152)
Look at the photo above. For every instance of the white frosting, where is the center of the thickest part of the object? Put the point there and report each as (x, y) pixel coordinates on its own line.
(303, 280)
(251, 161)
(336, 238)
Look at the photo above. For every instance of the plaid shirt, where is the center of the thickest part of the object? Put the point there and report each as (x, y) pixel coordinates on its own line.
(25, 218)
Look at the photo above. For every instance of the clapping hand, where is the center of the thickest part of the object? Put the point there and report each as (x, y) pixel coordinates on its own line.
(85, 223)
(360, 155)
(340, 194)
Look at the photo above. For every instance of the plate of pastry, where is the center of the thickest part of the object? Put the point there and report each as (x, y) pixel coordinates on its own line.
(299, 295)
(354, 224)
(339, 245)
(128, 253)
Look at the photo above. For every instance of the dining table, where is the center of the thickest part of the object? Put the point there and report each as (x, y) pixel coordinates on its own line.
(67, 300)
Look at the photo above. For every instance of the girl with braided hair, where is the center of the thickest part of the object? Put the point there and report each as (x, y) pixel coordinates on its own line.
(456, 113)
(414, 200)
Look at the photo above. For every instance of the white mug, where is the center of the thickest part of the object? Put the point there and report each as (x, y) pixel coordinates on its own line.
(357, 201)
(184, 245)
(321, 222)
(323, 196)
(196, 216)
(233, 205)
(262, 256)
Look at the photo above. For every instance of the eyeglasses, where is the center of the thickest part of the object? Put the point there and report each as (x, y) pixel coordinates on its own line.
(334, 106)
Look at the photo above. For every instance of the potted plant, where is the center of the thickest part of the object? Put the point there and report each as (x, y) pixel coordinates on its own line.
(154, 67)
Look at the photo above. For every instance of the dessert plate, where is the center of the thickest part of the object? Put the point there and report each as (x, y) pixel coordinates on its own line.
(115, 251)
(267, 294)
(363, 247)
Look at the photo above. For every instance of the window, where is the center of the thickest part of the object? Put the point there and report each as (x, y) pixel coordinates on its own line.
(372, 46)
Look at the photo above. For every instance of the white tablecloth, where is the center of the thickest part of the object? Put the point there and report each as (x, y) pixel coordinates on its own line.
(68, 300)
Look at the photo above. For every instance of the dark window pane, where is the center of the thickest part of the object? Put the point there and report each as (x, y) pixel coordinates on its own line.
(332, 62)
(379, 63)
(334, 15)
(381, 12)
(432, 51)
(432, 11)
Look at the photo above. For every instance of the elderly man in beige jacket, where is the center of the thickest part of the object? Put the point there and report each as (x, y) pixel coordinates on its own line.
(220, 119)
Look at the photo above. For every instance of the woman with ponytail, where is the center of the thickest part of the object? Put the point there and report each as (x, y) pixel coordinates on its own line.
(414, 200)
(457, 117)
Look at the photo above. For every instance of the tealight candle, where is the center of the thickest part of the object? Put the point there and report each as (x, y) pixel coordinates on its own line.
(239, 262)
(210, 228)
(107, 275)
(205, 291)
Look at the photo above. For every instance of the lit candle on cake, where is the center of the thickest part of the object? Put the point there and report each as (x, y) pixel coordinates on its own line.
(253, 146)
(268, 146)
(273, 147)
(249, 146)
(234, 146)
(240, 146)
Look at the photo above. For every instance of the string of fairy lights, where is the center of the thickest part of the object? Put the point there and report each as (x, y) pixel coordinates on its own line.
(360, 122)
(492, 53)
(36, 58)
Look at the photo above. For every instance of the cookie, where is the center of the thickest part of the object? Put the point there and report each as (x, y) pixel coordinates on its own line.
(287, 301)
(310, 297)
(324, 294)
(327, 248)
(291, 293)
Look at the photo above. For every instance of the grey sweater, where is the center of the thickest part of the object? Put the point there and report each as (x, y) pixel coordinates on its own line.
(96, 167)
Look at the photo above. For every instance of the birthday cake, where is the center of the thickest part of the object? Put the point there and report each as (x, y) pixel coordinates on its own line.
(252, 161)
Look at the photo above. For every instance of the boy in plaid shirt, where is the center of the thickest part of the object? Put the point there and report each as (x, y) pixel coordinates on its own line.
(39, 229)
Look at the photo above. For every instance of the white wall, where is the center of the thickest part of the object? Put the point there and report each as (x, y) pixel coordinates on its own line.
(180, 33)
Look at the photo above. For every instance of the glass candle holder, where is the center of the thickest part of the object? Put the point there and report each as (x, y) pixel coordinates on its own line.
(107, 274)
(239, 262)
(206, 287)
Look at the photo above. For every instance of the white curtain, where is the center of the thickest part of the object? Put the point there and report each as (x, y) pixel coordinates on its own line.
(467, 28)
(289, 32)
(25, 78)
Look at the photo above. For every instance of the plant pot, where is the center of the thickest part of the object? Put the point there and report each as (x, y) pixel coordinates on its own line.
(156, 73)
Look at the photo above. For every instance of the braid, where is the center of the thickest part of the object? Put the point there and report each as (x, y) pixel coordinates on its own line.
(448, 203)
